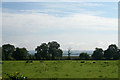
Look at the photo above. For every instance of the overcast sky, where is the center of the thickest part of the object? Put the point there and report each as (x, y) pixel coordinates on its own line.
(78, 25)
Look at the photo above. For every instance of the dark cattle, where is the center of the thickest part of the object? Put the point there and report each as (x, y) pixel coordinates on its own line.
(94, 62)
(106, 62)
(82, 62)
(31, 61)
(27, 61)
(1, 63)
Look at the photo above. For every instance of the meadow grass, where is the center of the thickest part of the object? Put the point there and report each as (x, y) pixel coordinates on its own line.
(63, 68)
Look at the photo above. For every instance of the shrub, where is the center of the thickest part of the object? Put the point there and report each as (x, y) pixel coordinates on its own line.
(84, 56)
(16, 76)
(29, 61)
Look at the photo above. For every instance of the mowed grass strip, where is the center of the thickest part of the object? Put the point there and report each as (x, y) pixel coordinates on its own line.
(63, 69)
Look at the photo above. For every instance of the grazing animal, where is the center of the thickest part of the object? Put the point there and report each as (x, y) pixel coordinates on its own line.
(31, 61)
(1, 63)
(94, 62)
(82, 62)
(106, 62)
(27, 61)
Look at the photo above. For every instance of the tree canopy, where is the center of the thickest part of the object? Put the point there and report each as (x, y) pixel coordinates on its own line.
(47, 51)
(84, 56)
(51, 50)
(112, 52)
(7, 51)
(98, 53)
(20, 53)
(10, 52)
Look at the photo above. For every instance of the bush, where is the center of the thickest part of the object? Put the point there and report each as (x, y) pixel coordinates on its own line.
(84, 56)
(16, 76)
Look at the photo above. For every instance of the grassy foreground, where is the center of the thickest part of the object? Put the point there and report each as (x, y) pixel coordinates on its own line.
(63, 69)
(0, 69)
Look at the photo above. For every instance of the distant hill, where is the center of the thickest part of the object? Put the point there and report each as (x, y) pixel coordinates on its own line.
(73, 52)
(31, 51)
(77, 52)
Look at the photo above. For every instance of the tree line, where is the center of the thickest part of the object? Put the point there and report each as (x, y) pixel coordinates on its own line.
(112, 52)
(52, 51)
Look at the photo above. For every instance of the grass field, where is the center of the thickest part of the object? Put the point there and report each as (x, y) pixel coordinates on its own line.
(63, 69)
(0, 69)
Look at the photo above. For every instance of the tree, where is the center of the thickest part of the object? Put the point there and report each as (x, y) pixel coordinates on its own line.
(42, 51)
(53, 49)
(98, 53)
(7, 51)
(69, 53)
(59, 53)
(37, 56)
(31, 56)
(46, 51)
(117, 56)
(112, 52)
(0, 53)
(20, 53)
(84, 56)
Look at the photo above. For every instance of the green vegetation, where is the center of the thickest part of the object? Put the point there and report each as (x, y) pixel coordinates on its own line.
(16, 76)
(48, 51)
(52, 64)
(52, 51)
(63, 68)
(84, 56)
(0, 69)
(98, 53)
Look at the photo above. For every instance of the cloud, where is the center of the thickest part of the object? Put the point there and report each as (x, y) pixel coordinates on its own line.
(0, 26)
(53, 8)
(60, 0)
(79, 30)
(77, 21)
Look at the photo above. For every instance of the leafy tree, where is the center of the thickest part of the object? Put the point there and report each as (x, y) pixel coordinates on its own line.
(7, 51)
(42, 51)
(108, 54)
(112, 52)
(117, 56)
(69, 53)
(98, 53)
(31, 56)
(37, 56)
(53, 49)
(20, 53)
(84, 56)
(46, 51)
(59, 53)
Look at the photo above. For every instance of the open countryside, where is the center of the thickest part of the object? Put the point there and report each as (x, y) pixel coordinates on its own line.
(63, 69)
(56, 32)
(49, 62)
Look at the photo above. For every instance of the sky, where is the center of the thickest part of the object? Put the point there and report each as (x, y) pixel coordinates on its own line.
(76, 25)
(60, 0)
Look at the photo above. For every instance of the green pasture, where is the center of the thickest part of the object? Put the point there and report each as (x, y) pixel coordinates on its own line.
(0, 69)
(63, 68)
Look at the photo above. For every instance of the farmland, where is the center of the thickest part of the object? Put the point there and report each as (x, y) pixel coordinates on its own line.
(0, 69)
(63, 68)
